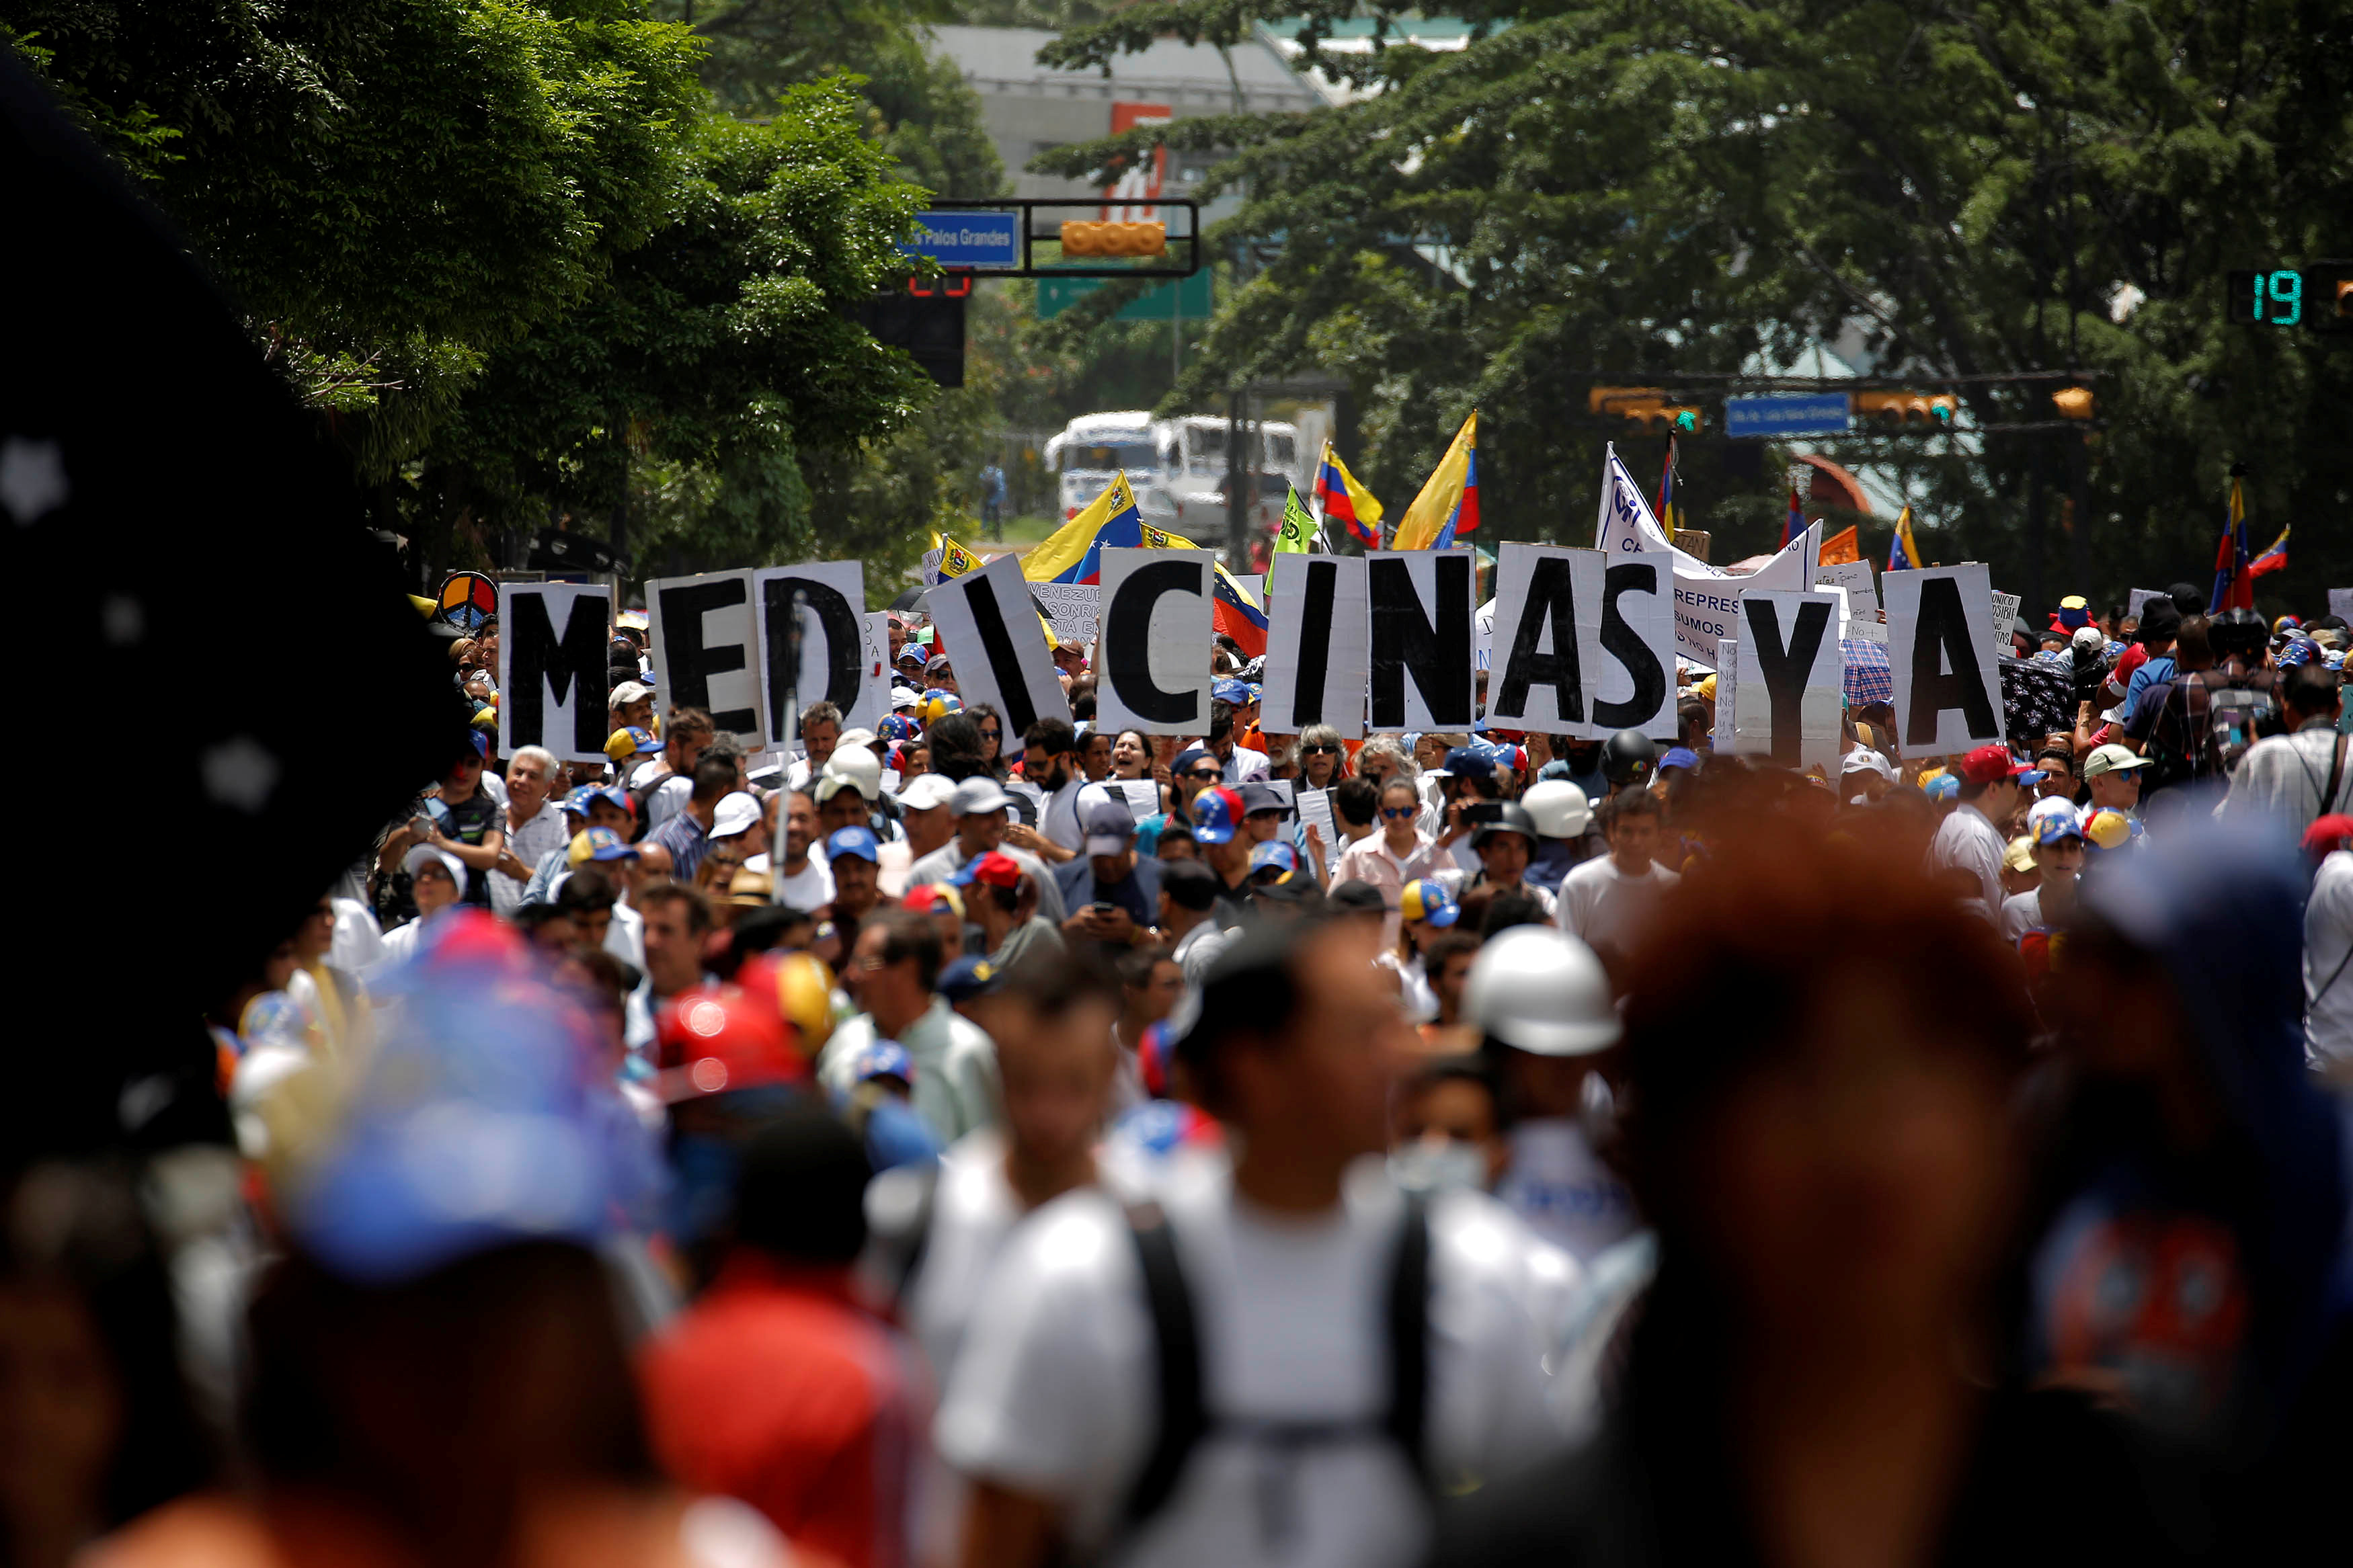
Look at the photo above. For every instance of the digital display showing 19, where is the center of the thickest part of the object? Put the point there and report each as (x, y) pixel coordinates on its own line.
(2274, 298)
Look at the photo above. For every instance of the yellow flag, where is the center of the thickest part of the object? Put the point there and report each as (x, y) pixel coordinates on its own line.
(1452, 488)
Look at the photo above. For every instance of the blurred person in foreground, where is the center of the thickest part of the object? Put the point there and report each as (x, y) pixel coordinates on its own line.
(1272, 1362)
(1814, 1377)
(437, 1371)
(2190, 1256)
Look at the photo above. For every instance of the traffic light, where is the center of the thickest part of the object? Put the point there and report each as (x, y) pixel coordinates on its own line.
(1897, 410)
(2317, 298)
(2073, 402)
(1646, 407)
(1114, 239)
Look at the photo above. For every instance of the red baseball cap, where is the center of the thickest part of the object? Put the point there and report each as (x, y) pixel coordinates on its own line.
(1991, 765)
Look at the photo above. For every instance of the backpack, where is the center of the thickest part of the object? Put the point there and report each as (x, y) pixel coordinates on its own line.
(2218, 717)
(1186, 1419)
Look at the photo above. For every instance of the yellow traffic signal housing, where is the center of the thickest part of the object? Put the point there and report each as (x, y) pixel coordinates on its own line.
(1646, 407)
(1898, 409)
(2073, 402)
(1115, 240)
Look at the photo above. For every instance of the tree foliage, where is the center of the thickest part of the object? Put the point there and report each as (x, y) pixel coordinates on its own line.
(1646, 189)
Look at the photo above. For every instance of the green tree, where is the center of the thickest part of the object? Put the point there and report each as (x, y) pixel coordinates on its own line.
(1649, 190)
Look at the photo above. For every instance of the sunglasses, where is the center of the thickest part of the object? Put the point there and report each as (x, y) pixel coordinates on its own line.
(1210, 775)
(1319, 750)
(990, 732)
(1394, 812)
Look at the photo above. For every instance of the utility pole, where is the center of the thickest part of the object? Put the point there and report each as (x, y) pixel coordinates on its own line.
(1237, 482)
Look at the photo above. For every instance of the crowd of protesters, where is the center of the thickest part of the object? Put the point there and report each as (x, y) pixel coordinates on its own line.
(936, 1145)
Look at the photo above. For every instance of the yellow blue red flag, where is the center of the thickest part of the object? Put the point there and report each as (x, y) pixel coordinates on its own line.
(1072, 552)
(1449, 502)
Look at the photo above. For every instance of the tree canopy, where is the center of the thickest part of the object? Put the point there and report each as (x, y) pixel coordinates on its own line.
(1639, 190)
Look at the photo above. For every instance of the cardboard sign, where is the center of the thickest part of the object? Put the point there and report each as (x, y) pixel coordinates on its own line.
(1317, 644)
(1862, 596)
(2002, 615)
(1315, 812)
(1001, 658)
(1707, 607)
(830, 639)
(1584, 643)
(706, 651)
(1947, 691)
(2136, 598)
(1422, 673)
(1141, 796)
(1791, 674)
(1074, 608)
(552, 690)
(1152, 670)
(2340, 603)
(1727, 694)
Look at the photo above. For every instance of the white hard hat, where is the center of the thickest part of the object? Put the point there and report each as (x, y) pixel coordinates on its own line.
(1560, 809)
(1541, 991)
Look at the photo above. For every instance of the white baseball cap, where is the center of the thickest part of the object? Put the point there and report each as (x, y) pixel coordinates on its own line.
(1863, 759)
(925, 792)
(734, 814)
(423, 854)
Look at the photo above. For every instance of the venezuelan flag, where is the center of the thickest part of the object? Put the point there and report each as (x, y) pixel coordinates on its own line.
(1232, 611)
(1449, 502)
(2271, 559)
(1346, 499)
(2234, 584)
(1073, 553)
(1902, 552)
(1795, 523)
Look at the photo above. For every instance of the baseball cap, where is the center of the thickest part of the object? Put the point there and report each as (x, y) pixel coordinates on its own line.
(882, 1058)
(1464, 760)
(734, 814)
(853, 738)
(611, 794)
(966, 978)
(978, 795)
(631, 742)
(1229, 691)
(912, 653)
(896, 727)
(1424, 900)
(1990, 765)
(1282, 856)
(2020, 855)
(1107, 825)
(904, 697)
(1863, 759)
(426, 854)
(1354, 895)
(1679, 757)
(930, 898)
(2111, 758)
(1944, 786)
(1258, 796)
(630, 691)
(1186, 758)
(577, 801)
(2059, 825)
(2108, 828)
(2041, 811)
(751, 889)
(936, 704)
(599, 844)
(925, 792)
(2091, 638)
(995, 868)
(858, 841)
(1218, 812)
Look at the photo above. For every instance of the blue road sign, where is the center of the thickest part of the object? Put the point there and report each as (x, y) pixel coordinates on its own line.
(975, 239)
(1803, 413)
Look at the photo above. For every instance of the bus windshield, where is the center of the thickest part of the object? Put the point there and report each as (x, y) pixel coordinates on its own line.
(1103, 456)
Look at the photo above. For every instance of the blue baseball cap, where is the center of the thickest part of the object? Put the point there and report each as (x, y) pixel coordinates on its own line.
(1468, 759)
(1424, 900)
(1679, 757)
(968, 978)
(1944, 786)
(1217, 815)
(858, 841)
(1229, 691)
(577, 801)
(1188, 756)
(882, 1058)
(2058, 825)
(1280, 856)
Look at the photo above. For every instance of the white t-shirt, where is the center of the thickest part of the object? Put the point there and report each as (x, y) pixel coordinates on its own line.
(2327, 973)
(669, 798)
(1562, 1189)
(1053, 1393)
(1605, 907)
(809, 889)
(1969, 840)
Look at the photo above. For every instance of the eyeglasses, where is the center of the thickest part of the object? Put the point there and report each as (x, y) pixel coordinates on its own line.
(1394, 812)
(1319, 750)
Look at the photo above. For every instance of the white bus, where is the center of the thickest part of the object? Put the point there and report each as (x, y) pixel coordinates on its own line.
(1176, 467)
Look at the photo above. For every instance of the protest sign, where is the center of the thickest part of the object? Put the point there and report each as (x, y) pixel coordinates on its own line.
(1315, 812)
(1585, 641)
(984, 621)
(552, 644)
(2340, 603)
(705, 649)
(2002, 615)
(1728, 693)
(1791, 680)
(1707, 607)
(1947, 690)
(2136, 598)
(1862, 596)
(1073, 608)
(1141, 796)
(1151, 664)
(1284, 792)
(829, 638)
(1418, 630)
(1317, 621)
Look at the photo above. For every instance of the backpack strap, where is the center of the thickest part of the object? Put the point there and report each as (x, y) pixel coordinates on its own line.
(1409, 1323)
(1176, 1341)
(2336, 777)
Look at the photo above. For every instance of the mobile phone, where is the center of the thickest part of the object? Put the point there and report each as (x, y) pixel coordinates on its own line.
(1100, 908)
(1484, 811)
